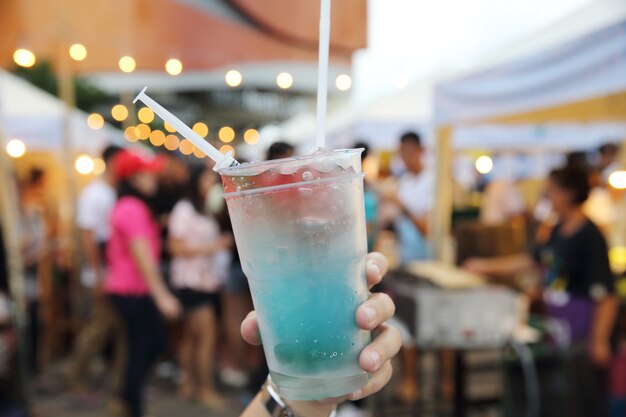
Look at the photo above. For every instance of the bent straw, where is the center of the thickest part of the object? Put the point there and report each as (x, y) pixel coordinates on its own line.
(221, 160)
(322, 74)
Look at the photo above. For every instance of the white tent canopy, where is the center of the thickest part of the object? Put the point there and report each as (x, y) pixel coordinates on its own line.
(37, 118)
(590, 66)
(381, 120)
(585, 61)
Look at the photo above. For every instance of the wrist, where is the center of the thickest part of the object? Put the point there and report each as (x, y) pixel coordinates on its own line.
(310, 408)
(274, 403)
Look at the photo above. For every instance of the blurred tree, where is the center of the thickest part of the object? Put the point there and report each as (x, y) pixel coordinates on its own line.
(43, 76)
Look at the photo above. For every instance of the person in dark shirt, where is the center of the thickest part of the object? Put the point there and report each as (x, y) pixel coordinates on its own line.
(578, 285)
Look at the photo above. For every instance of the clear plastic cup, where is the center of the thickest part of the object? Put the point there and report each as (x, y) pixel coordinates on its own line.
(299, 224)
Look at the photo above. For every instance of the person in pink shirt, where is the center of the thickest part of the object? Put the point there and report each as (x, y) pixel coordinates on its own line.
(134, 283)
(200, 259)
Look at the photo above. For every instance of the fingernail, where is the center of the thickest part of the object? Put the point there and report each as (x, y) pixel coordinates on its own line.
(371, 314)
(355, 395)
(373, 269)
(374, 358)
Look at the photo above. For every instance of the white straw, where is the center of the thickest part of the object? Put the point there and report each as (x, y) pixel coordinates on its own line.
(221, 160)
(322, 74)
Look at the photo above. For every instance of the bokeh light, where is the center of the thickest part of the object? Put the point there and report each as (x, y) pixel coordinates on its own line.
(186, 147)
(197, 152)
(171, 142)
(24, 58)
(127, 64)
(16, 148)
(84, 164)
(484, 164)
(95, 121)
(227, 148)
(233, 78)
(119, 112)
(169, 127)
(157, 137)
(145, 115)
(201, 129)
(617, 180)
(78, 52)
(343, 82)
(143, 131)
(131, 134)
(251, 136)
(99, 166)
(284, 80)
(226, 134)
(173, 66)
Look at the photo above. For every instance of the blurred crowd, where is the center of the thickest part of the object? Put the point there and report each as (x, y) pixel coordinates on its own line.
(160, 278)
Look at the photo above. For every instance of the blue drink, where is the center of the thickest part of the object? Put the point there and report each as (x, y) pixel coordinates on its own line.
(300, 231)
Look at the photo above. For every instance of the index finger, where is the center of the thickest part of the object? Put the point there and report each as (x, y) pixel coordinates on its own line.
(376, 266)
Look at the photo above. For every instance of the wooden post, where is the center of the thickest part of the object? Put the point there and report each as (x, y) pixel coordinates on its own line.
(441, 216)
(10, 212)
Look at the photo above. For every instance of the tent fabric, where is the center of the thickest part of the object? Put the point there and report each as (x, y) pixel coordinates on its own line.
(587, 67)
(38, 119)
(529, 138)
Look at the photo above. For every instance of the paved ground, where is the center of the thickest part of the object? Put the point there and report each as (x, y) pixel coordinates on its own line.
(161, 404)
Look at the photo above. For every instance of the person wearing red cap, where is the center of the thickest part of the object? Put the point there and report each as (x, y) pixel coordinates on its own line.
(134, 283)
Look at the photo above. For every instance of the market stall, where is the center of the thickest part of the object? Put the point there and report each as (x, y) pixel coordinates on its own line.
(570, 96)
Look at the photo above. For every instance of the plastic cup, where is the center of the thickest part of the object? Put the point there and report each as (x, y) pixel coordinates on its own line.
(299, 224)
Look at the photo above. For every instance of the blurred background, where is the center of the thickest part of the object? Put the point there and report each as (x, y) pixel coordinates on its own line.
(465, 109)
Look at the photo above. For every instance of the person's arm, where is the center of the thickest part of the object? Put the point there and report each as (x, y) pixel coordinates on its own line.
(179, 248)
(606, 307)
(301, 408)
(501, 266)
(92, 253)
(420, 222)
(374, 359)
(604, 316)
(166, 302)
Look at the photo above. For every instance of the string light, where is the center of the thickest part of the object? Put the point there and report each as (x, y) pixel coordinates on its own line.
(186, 147)
(95, 121)
(24, 58)
(227, 148)
(198, 153)
(145, 115)
(226, 134)
(171, 142)
(169, 127)
(201, 129)
(78, 52)
(119, 112)
(143, 131)
(233, 78)
(173, 66)
(157, 137)
(251, 136)
(127, 64)
(84, 164)
(284, 80)
(16, 148)
(484, 164)
(131, 134)
(343, 82)
(617, 180)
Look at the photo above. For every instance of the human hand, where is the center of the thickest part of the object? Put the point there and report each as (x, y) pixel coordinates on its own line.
(476, 265)
(600, 353)
(168, 305)
(375, 358)
(225, 242)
